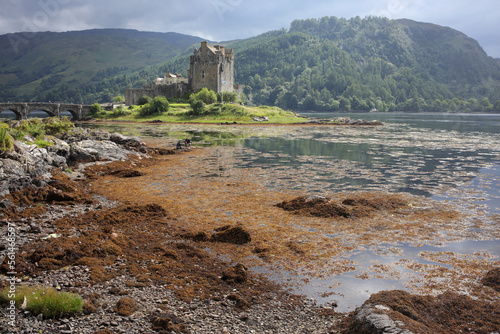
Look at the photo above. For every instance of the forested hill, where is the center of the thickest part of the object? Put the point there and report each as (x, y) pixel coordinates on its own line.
(317, 64)
(361, 64)
(63, 66)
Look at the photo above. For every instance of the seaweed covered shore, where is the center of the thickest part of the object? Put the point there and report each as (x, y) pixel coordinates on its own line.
(156, 242)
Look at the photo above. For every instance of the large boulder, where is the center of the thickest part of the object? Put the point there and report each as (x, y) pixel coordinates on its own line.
(13, 176)
(135, 143)
(90, 150)
(231, 234)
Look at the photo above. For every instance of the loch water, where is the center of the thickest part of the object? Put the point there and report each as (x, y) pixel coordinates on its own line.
(449, 158)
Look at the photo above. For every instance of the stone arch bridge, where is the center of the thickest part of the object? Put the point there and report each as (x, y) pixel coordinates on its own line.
(23, 109)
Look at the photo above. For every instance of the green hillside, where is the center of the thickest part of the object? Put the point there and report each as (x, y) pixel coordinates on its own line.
(322, 64)
(53, 66)
(361, 64)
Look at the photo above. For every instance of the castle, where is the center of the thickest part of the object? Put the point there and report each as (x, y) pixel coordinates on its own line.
(210, 67)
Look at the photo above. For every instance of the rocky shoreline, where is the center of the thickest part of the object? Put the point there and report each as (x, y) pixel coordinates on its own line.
(45, 189)
(139, 271)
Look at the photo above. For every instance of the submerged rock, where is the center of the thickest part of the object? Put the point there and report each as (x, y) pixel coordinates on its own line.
(492, 279)
(231, 234)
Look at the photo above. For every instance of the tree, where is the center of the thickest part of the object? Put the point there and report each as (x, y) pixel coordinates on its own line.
(198, 106)
(496, 106)
(345, 104)
(158, 105)
(143, 100)
(119, 99)
(206, 95)
(95, 108)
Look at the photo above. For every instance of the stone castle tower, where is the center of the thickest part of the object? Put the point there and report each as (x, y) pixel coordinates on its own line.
(210, 67)
(213, 68)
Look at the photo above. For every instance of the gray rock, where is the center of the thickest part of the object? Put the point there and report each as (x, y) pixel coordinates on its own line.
(79, 153)
(374, 319)
(90, 150)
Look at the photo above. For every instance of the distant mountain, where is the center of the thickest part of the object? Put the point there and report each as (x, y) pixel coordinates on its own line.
(48, 65)
(317, 64)
(331, 63)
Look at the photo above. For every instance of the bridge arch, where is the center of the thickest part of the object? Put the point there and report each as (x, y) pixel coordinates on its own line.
(74, 113)
(50, 112)
(14, 110)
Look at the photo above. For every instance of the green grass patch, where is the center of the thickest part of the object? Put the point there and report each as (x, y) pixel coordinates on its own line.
(42, 143)
(216, 113)
(6, 140)
(42, 300)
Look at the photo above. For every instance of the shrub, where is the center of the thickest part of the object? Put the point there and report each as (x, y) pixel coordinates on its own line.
(157, 106)
(144, 100)
(95, 108)
(227, 97)
(198, 107)
(206, 95)
(119, 99)
(34, 127)
(119, 111)
(47, 301)
(53, 125)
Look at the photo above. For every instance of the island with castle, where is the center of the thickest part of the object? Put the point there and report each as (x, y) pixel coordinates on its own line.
(210, 67)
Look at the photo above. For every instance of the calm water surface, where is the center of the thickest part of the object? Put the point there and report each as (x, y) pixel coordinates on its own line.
(453, 158)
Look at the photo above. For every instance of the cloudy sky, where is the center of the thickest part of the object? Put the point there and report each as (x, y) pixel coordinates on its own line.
(220, 20)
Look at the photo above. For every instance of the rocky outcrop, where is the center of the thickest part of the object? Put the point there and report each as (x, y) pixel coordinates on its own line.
(27, 165)
(374, 319)
(391, 312)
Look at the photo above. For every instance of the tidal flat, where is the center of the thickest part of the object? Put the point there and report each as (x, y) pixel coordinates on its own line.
(447, 170)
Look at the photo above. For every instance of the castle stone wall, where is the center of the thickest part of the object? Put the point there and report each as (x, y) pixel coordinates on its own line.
(132, 95)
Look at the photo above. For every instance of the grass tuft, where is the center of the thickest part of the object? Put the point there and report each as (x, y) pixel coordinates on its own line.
(47, 301)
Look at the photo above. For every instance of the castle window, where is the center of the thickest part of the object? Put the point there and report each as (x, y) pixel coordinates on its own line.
(203, 74)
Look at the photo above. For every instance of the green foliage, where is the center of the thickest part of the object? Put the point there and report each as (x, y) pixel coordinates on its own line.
(95, 67)
(95, 108)
(318, 64)
(198, 107)
(53, 125)
(227, 97)
(119, 98)
(6, 140)
(199, 101)
(206, 95)
(42, 143)
(383, 64)
(119, 112)
(34, 127)
(144, 100)
(47, 301)
(158, 105)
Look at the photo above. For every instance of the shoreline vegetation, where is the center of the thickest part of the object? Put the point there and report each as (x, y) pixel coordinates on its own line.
(87, 220)
(205, 107)
(217, 113)
(262, 115)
